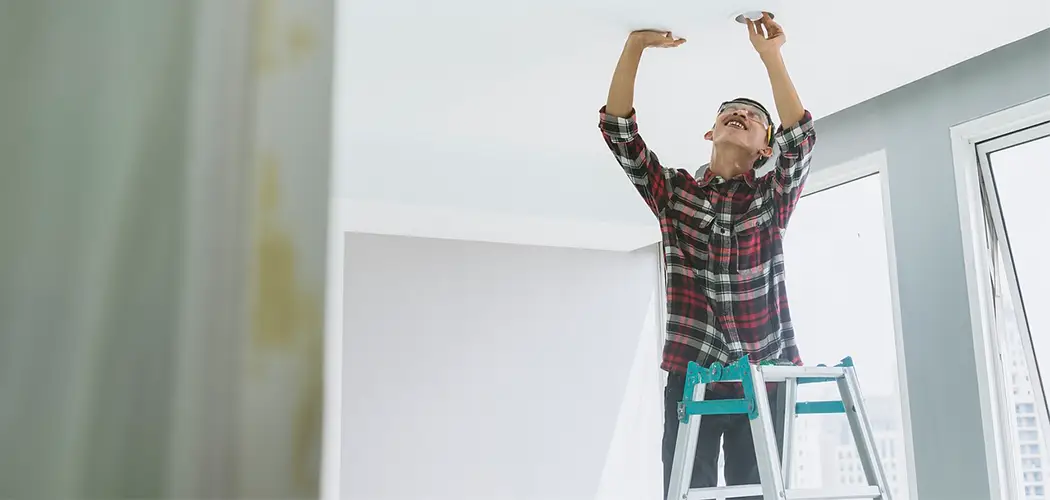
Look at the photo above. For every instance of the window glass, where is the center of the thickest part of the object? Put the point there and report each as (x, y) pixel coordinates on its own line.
(1020, 176)
(838, 283)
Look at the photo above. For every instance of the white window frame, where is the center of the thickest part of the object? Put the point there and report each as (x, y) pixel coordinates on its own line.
(969, 157)
(999, 236)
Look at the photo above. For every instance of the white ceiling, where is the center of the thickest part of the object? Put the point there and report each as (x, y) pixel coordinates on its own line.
(486, 112)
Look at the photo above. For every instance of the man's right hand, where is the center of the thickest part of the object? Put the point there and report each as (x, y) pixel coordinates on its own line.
(644, 39)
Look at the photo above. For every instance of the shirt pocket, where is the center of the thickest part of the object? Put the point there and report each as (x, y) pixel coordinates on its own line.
(752, 240)
(695, 221)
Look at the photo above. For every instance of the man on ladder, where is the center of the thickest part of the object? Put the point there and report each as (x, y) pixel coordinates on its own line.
(722, 239)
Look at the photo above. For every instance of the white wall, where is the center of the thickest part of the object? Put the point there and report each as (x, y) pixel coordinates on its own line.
(482, 370)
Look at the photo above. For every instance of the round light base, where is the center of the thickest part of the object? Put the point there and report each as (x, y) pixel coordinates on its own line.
(753, 15)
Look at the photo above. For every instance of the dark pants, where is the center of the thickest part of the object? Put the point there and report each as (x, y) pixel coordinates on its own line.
(741, 466)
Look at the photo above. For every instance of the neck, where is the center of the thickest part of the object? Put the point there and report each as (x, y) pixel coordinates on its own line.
(728, 163)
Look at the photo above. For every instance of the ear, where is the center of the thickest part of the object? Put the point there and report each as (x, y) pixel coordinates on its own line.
(765, 152)
(709, 135)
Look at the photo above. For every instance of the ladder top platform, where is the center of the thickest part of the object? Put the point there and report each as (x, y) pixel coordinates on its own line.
(740, 371)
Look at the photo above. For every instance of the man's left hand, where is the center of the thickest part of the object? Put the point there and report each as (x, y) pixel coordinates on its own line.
(766, 35)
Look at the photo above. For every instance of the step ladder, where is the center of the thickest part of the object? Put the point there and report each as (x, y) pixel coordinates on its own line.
(773, 474)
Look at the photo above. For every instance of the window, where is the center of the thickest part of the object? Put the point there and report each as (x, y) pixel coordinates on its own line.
(836, 241)
(1014, 174)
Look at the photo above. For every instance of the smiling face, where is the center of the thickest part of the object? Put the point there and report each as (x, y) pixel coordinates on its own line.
(741, 125)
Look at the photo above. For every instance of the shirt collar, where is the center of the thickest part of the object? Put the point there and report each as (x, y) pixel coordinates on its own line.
(708, 177)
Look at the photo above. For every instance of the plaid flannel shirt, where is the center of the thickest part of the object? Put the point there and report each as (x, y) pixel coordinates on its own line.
(723, 249)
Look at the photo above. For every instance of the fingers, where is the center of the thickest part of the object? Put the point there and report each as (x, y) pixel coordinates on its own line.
(671, 41)
(765, 28)
(772, 28)
(755, 28)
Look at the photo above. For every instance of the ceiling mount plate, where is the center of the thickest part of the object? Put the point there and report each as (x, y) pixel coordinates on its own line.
(753, 15)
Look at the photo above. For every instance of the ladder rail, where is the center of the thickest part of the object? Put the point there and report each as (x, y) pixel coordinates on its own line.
(685, 449)
(863, 434)
(788, 461)
(769, 470)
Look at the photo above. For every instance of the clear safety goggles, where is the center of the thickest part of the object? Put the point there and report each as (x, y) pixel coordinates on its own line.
(751, 112)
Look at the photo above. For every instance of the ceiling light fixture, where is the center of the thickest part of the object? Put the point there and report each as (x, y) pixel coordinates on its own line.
(753, 15)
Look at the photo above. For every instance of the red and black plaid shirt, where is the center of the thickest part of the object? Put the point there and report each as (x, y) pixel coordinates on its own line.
(723, 248)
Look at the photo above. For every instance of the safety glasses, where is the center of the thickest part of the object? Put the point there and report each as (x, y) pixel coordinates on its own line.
(752, 113)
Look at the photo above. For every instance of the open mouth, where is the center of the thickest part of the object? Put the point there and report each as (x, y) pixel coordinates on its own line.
(736, 122)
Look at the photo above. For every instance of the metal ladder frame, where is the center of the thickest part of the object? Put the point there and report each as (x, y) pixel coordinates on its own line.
(773, 474)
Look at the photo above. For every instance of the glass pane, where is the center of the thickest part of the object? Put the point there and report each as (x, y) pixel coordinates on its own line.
(839, 290)
(1021, 179)
(1026, 440)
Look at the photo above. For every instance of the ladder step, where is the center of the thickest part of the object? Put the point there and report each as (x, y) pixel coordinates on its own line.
(730, 492)
(726, 492)
(850, 493)
(811, 407)
(775, 373)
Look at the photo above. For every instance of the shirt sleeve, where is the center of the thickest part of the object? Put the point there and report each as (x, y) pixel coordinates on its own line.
(792, 167)
(642, 166)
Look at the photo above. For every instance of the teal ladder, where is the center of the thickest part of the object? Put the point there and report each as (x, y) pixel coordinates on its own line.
(773, 472)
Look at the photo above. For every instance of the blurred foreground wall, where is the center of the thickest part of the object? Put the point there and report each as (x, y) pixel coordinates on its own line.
(164, 173)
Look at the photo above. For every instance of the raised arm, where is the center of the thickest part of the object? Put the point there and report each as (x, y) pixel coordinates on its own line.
(795, 137)
(619, 126)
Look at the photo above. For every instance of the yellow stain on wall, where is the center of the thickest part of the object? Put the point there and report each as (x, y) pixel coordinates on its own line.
(309, 416)
(266, 36)
(277, 298)
(288, 320)
(302, 40)
(279, 43)
(288, 316)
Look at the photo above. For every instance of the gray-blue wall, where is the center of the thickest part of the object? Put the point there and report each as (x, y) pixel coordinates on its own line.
(912, 125)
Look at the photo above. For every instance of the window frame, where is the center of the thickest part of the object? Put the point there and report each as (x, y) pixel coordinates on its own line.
(875, 163)
(997, 222)
(980, 225)
(1000, 247)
